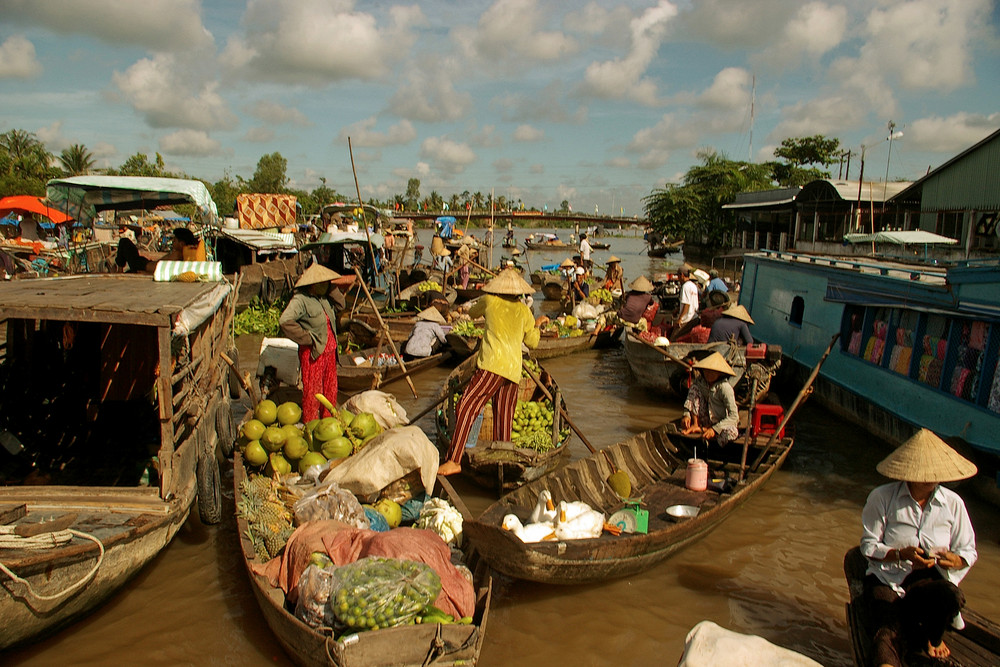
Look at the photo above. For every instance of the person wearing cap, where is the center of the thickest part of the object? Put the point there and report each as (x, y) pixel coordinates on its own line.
(637, 300)
(732, 325)
(716, 284)
(427, 335)
(509, 323)
(689, 297)
(579, 290)
(920, 544)
(309, 319)
(614, 276)
(585, 251)
(710, 407)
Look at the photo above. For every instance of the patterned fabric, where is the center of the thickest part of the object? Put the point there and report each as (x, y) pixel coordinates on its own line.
(206, 271)
(319, 376)
(264, 211)
(485, 385)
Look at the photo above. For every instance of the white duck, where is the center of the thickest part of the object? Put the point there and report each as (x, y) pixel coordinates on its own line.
(545, 511)
(533, 532)
(577, 521)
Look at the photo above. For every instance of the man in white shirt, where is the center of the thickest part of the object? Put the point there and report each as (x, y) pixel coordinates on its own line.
(585, 251)
(689, 297)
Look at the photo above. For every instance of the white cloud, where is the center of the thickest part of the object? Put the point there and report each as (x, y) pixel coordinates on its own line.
(503, 165)
(655, 144)
(17, 59)
(428, 93)
(623, 78)
(158, 25)
(619, 162)
(362, 134)
(278, 114)
(259, 135)
(730, 90)
(547, 104)
(822, 115)
(53, 138)
(511, 32)
(527, 134)
(607, 26)
(813, 31)
(103, 149)
(190, 143)
(484, 137)
(745, 24)
(952, 134)
(536, 169)
(318, 41)
(447, 155)
(164, 90)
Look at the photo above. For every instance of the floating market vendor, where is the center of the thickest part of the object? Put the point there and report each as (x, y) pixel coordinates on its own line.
(715, 283)
(710, 407)
(920, 544)
(309, 319)
(509, 323)
(637, 300)
(689, 297)
(187, 247)
(732, 325)
(614, 276)
(427, 335)
(585, 252)
(579, 290)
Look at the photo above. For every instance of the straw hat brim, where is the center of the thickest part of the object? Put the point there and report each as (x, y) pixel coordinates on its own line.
(431, 315)
(739, 312)
(715, 362)
(641, 284)
(567, 264)
(926, 458)
(509, 282)
(315, 274)
(613, 259)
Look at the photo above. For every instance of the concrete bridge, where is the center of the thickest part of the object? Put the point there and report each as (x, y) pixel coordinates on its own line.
(522, 218)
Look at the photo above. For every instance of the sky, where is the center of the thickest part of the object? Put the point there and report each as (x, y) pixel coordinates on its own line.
(539, 101)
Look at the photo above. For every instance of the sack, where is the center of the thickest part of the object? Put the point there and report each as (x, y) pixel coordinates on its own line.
(330, 502)
(387, 412)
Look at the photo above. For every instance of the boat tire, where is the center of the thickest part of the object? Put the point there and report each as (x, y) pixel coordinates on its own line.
(234, 381)
(225, 427)
(209, 489)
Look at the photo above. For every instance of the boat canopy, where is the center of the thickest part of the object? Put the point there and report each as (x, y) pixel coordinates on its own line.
(342, 238)
(84, 196)
(910, 237)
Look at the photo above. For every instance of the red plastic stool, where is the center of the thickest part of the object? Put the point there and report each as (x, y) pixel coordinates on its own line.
(766, 419)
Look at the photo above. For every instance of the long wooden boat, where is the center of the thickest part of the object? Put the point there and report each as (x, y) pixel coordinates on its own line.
(977, 644)
(600, 245)
(664, 249)
(499, 465)
(559, 245)
(113, 474)
(352, 377)
(655, 462)
(462, 347)
(404, 646)
(608, 338)
(560, 347)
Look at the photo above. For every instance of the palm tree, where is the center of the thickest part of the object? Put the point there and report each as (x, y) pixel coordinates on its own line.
(77, 160)
(477, 201)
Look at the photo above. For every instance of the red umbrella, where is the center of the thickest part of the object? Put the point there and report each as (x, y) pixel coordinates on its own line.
(23, 204)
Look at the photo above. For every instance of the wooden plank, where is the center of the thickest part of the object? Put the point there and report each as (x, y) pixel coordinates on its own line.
(165, 394)
(12, 514)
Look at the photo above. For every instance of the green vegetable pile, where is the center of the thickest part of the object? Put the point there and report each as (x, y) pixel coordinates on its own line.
(532, 426)
(468, 329)
(259, 319)
(376, 592)
(429, 285)
(601, 295)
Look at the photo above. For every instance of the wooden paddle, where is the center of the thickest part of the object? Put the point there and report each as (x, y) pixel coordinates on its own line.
(385, 330)
(803, 394)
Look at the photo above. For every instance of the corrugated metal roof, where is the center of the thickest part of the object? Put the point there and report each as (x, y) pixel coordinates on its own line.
(261, 240)
(917, 184)
(761, 198)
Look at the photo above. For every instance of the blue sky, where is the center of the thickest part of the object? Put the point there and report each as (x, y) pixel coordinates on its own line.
(538, 100)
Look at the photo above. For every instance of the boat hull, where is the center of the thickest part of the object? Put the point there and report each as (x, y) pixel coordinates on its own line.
(359, 378)
(655, 371)
(559, 347)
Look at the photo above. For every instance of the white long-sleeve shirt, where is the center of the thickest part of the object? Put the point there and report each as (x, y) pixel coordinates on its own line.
(892, 519)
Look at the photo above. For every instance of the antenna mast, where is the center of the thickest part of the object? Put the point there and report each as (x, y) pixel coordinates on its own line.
(753, 98)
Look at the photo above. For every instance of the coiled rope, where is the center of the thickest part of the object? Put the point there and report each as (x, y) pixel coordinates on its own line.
(10, 540)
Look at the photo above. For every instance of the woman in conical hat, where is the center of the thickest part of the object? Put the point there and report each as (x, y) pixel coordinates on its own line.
(310, 320)
(509, 323)
(710, 407)
(920, 544)
(427, 336)
(614, 276)
(639, 303)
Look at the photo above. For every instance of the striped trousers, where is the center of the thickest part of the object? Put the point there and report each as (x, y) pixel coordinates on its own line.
(483, 386)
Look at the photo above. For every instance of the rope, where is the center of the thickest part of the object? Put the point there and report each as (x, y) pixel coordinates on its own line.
(10, 540)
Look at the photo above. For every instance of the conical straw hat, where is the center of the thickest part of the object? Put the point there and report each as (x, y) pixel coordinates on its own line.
(431, 315)
(567, 264)
(316, 273)
(739, 312)
(641, 284)
(926, 458)
(614, 259)
(509, 281)
(715, 362)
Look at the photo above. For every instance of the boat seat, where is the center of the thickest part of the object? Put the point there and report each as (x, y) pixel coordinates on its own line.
(766, 420)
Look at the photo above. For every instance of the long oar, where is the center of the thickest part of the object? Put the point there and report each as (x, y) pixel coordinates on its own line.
(385, 330)
(803, 394)
(663, 351)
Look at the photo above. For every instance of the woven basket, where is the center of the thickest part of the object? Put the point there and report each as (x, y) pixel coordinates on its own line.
(486, 430)
(527, 389)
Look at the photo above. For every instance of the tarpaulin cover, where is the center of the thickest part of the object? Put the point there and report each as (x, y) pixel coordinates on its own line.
(83, 196)
(915, 237)
(195, 314)
(31, 204)
(166, 271)
(265, 211)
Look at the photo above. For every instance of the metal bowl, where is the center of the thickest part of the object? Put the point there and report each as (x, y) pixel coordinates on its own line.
(682, 512)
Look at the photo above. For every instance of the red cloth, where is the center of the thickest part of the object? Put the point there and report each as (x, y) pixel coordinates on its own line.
(284, 571)
(457, 596)
(319, 376)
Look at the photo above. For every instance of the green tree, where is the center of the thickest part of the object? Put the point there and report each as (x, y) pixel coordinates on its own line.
(802, 151)
(564, 206)
(478, 200)
(455, 203)
(25, 165)
(76, 160)
(224, 192)
(139, 165)
(270, 176)
(412, 196)
(434, 201)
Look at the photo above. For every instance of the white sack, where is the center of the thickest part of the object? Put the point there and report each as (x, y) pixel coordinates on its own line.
(387, 412)
(386, 458)
(710, 645)
(281, 354)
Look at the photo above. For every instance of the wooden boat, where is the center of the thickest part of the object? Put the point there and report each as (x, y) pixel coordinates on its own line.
(404, 646)
(462, 346)
(538, 278)
(498, 465)
(468, 294)
(352, 377)
(655, 461)
(664, 249)
(554, 289)
(608, 338)
(977, 644)
(558, 245)
(600, 245)
(81, 358)
(549, 347)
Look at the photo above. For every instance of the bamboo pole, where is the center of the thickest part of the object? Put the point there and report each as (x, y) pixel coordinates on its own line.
(385, 330)
(364, 221)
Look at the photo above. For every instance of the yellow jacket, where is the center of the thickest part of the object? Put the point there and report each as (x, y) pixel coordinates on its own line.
(508, 324)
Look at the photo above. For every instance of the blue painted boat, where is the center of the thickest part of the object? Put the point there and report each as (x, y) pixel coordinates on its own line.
(919, 342)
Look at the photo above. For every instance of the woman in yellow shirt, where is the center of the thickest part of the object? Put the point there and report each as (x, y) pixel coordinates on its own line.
(508, 324)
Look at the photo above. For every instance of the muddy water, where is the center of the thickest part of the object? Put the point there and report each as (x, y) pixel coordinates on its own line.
(772, 569)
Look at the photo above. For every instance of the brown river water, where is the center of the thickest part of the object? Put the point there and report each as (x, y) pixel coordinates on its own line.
(773, 569)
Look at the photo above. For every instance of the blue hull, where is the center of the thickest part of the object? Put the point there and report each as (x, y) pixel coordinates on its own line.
(918, 346)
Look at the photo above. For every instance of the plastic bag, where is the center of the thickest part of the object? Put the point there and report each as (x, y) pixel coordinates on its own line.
(586, 311)
(315, 588)
(330, 502)
(387, 412)
(376, 592)
(376, 521)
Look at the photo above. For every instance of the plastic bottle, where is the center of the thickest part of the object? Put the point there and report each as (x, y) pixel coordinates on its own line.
(696, 477)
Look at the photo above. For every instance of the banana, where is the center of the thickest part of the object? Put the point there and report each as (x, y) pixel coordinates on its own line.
(325, 402)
